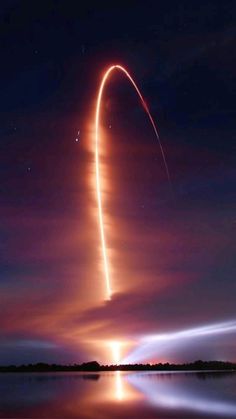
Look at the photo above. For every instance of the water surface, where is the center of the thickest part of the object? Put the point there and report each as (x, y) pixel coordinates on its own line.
(118, 395)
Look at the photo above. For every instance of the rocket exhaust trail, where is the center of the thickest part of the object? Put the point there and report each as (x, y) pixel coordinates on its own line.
(98, 183)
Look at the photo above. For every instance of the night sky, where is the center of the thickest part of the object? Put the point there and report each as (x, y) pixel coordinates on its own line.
(172, 261)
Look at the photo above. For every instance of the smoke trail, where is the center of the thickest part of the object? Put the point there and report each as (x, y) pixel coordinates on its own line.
(98, 184)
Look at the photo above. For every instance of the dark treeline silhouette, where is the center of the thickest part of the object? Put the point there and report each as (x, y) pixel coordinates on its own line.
(95, 366)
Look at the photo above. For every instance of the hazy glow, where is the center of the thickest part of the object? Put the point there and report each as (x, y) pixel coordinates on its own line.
(115, 347)
(98, 182)
(152, 344)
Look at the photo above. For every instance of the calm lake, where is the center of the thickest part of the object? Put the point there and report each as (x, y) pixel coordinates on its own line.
(118, 395)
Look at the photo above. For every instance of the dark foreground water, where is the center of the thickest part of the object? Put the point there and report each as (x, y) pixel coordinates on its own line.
(118, 395)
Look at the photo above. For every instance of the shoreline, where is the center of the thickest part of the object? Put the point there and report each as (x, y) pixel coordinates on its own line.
(95, 367)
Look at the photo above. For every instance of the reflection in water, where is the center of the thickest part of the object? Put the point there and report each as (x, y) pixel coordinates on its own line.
(119, 386)
(91, 376)
(118, 395)
(166, 394)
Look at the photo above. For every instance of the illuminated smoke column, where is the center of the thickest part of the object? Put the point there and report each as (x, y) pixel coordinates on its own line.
(150, 346)
(98, 183)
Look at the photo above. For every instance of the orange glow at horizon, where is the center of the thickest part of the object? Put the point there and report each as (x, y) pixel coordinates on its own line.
(97, 165)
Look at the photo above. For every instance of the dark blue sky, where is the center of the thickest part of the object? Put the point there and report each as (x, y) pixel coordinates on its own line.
(173, 263)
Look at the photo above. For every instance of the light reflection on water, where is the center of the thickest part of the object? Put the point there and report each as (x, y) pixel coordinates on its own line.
(118, 395)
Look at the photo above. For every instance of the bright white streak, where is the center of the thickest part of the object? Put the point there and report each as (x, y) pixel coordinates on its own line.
(115, 346)
(151, 344)
(195, 332)
(98, 183)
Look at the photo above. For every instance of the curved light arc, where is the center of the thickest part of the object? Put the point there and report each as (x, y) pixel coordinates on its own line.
(98, 183)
